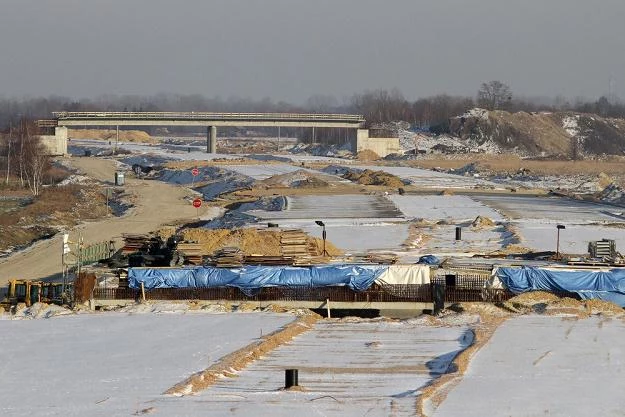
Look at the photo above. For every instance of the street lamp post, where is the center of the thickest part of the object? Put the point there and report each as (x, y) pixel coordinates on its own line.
(559, 227)
(323, 235)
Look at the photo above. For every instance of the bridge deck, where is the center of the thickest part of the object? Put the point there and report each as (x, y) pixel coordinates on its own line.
(208, 119)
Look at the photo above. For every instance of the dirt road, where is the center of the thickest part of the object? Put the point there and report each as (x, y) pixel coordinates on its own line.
(155, 204)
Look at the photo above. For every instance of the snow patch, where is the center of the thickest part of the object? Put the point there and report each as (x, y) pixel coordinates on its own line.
(569, 123)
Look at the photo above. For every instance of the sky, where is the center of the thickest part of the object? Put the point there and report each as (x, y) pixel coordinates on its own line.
(293, 49)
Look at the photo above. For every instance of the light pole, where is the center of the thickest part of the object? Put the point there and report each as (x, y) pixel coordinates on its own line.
(323, 235)
(559, 227)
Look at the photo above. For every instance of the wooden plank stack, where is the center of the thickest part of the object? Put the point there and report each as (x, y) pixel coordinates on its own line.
(381, 258)
(134, 242)
(268, 260)
(294, 244)
(228, 257)
(192, 252)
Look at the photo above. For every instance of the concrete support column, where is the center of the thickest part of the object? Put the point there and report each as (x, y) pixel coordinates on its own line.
(211, 139)
(60, 135)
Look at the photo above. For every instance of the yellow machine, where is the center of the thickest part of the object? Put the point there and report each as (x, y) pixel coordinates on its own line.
(31, 292)
(22, 291)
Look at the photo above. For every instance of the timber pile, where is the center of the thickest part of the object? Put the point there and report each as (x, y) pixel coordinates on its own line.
(134, 242)
(192, 252)
(381, 258)
(268, 260)
(228, 257)
(294, 244)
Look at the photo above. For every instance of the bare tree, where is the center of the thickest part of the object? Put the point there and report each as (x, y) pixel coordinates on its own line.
(494, 95)
(33, 158)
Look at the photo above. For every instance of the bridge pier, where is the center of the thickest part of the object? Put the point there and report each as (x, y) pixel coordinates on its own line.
(211, 139)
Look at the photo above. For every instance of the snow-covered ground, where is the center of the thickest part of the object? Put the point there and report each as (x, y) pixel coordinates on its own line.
(544, 366)
(113, 364)
(321, 207)
(431, 179)
(346, 369)
(439, 207)
(573, 240)
(552, 209)
(261, 172)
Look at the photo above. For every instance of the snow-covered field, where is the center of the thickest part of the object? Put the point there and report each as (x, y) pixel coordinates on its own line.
(346, 369)
(440, 207)
(552, 209)
(573, 240)
(544, 366)
(321, 207)
(261, 172)
(431, 179)
(113, 364)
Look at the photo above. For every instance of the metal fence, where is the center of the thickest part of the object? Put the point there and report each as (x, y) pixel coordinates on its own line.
(467, 291)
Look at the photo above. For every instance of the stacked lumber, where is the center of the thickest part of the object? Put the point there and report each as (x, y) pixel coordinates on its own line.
(310, 261)
(228, 257)
(294, 244)
(268, 260)
(381, 258)
(134, 242)
(192, 252)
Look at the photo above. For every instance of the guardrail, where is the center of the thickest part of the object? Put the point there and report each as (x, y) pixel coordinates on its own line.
(62, 115)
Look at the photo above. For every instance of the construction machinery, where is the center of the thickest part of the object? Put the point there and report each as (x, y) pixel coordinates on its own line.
(31, 292)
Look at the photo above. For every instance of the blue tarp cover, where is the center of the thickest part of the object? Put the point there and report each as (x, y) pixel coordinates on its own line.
(249, 278)
(604, 285)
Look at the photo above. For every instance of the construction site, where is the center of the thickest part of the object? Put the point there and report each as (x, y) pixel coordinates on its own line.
(248, 264)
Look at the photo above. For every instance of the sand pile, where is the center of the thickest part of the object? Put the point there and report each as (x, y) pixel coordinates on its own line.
(481, 221)
(250, 241)
(111, 135)
(548, 303)
(604, 180)
(367, 155)
(369, 177)
(298, 179)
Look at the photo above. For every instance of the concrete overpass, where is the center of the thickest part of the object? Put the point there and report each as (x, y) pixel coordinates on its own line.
(210, 120)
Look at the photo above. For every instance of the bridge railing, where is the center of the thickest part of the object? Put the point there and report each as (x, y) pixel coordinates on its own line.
(208, 116)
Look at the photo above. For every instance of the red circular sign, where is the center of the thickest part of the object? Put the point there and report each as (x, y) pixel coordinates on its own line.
(197, 203)
(195, 172)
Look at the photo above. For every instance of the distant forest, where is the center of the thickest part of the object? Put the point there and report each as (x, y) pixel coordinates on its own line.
(378, 106)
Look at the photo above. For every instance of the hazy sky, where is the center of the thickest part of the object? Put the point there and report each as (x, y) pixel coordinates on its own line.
(292, 49)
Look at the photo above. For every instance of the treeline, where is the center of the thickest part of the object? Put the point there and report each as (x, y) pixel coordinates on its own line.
(378, 106)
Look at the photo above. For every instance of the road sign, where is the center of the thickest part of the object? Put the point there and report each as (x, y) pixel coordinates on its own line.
(197, 203)
(195, 172)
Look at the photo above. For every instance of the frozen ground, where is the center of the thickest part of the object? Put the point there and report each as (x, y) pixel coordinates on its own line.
(110, 364)
(347, 369)
(431, 179)
(261, 172)
(573, 240)
(354, 222)
(544, 366)
(552, 209)
(439, 207)
(321, 207)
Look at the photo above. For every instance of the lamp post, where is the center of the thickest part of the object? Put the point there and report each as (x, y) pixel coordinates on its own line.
(559, 227)
(323, 235)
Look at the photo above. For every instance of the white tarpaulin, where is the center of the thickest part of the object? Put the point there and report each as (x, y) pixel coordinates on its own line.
(405, 274)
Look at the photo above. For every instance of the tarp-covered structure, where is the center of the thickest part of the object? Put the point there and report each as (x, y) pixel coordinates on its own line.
(250, 278)
(606, 284)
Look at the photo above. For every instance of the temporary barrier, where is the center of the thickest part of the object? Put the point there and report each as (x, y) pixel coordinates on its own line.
(608, 285)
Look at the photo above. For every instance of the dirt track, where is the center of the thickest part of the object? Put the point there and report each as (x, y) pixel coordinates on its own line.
(155, 204)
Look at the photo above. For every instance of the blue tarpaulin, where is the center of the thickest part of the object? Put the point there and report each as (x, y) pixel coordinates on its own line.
(603, 285)
(249, 278)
